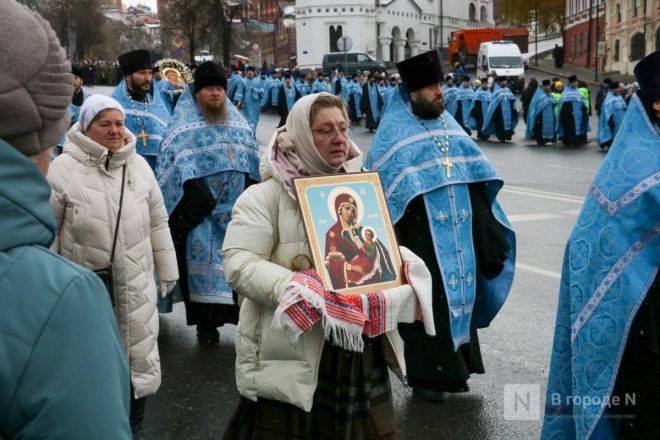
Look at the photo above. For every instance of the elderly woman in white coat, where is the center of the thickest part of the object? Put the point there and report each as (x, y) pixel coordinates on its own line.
(98, 164)
(293, 383)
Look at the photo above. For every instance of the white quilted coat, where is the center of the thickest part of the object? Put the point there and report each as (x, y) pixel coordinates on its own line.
(85, 198)
(265, 243)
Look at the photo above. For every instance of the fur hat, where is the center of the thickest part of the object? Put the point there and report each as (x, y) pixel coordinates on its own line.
(421, 70)
(134, 61)
(36, 85)
(209, 74)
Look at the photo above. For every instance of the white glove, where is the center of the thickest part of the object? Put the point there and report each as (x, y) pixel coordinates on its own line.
(166, 287)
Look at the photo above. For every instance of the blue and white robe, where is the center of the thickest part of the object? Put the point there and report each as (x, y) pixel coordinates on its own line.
(502, 98)
(273, 91)
(410, 164)
(610, 262)
(320, 86)
(353, 98)
(152, 117)
(255, 90)
(542, 104)
(464, 97)
(611, 115)
(450, 94)
(483, 97)
(303, 87)
(236, 87)
(224, 155)
(573, 97)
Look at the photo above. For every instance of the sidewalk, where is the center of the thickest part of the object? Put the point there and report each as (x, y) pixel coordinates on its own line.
(547, 66)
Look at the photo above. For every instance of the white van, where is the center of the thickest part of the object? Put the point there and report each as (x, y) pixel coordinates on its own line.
(503, 58)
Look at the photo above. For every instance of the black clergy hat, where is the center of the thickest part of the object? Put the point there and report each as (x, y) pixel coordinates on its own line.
(484, 79)
(251, 68)
(572, 78)
(77, 70)
(614, 85)
(500, 78)
(135, 61)
(421, 70)
(545, 82)
(646, 72)
(287, 75)
(209, 74)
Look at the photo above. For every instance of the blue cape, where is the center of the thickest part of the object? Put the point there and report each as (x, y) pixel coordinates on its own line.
(373, 100)
(501, 97)
(466, 96)
(451, 95)
(541, 103)
(483, 96)
(320, 86)
(410, 164)
(151, 117)
(610, 261)
(574, 97)
(614, 107)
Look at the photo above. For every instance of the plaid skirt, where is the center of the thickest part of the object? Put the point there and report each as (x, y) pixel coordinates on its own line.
(353, 400)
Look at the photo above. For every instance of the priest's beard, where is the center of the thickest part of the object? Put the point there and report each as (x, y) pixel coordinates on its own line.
(138, 89)
(425, 109)
(213, 112)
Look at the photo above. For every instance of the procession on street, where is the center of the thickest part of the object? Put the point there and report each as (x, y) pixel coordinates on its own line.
(363, 249)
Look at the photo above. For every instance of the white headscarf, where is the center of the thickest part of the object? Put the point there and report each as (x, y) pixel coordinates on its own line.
(96, 104)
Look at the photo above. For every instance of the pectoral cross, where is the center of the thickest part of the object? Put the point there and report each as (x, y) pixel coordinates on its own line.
(447, 166)
(144, 136)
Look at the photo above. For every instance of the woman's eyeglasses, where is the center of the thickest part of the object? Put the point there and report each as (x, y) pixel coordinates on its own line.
(328, 133)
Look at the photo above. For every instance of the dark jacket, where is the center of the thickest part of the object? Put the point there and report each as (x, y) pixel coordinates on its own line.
(63, 371)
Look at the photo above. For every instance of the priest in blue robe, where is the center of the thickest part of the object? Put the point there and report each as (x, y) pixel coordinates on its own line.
(353, 96)
(480, 104)
(371, 103)
(146, 111)
(611, 115)
(254, 92)
(209, 157)
(450, 94)
(573, 121)
(502, 115)
(289, 94)
(604, 379)
(464, 98)
(441, 194)
(541, 115)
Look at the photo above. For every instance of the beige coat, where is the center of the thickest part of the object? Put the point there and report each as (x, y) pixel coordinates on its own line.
(265, 243)
(85, 198)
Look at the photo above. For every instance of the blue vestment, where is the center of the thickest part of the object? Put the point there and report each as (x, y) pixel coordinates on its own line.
(465, 96)
(611, 260)
(612, 111)
(573, 97)
(320, 86)
(223, 155)
(542, 104)
(303, 87)
(502, 98)
(254, 93)
(151, 117)
(236, 88)
(484, 97)
(372, 88)
(353, 90)
(273, 90)
(411, 164)
(450, 94)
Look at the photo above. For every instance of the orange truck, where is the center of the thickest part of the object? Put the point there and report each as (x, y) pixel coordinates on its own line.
(464, 45)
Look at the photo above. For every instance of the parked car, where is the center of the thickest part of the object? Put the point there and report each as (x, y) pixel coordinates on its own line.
(351, 62)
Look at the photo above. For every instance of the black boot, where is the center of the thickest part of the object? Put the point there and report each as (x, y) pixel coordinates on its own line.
(136, 416)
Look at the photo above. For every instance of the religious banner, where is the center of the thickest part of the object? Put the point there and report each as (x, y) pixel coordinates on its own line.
(350, 232)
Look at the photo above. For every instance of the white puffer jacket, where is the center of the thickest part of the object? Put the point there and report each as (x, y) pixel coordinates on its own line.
(85, 198)
(264, 245)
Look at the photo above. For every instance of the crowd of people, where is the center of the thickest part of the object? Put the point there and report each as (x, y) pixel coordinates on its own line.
(160, 188)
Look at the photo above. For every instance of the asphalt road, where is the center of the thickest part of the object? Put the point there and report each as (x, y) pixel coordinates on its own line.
(543, 193)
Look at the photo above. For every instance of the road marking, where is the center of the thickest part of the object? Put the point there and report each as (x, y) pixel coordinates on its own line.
(538, 270)
(515, 218)
(543, 194)
(573, 168)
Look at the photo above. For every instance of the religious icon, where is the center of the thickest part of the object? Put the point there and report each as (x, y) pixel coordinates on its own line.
(350, 232)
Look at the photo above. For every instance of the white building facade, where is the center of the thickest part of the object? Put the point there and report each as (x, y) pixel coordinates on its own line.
(390, 31)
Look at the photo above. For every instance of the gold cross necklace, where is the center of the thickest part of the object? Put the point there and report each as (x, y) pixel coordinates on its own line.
(444, 149)
(141, 120)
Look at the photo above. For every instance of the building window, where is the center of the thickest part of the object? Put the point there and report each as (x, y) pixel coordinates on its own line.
(616, 50)
(657, 39)
(579, 44)
(473, 12)
(484, 14)
(637, 47)
(634, 8)
(573, 46)
(618, 12)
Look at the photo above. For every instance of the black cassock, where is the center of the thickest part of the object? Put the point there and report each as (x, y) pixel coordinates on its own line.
(478, 116)
(502, 133)
(459, 118)
(282, 106)
(431, 361)
(365, 106)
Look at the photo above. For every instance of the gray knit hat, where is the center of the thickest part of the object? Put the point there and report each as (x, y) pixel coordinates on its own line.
(36, 85)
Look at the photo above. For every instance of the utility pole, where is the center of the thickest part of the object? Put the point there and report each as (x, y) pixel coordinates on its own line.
(597, 39)
(536, 32)
(591, 9)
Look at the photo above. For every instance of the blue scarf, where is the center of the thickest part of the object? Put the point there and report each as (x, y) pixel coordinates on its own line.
(542, 103)
(611, 259)
(222, 155)
(501, 98)
(614, 107)
(465, 95)
(410, 164)
(571, 96)
(152, 117)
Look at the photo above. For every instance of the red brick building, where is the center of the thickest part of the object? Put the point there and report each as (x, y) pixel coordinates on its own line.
(585, 20)
(278, 47)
